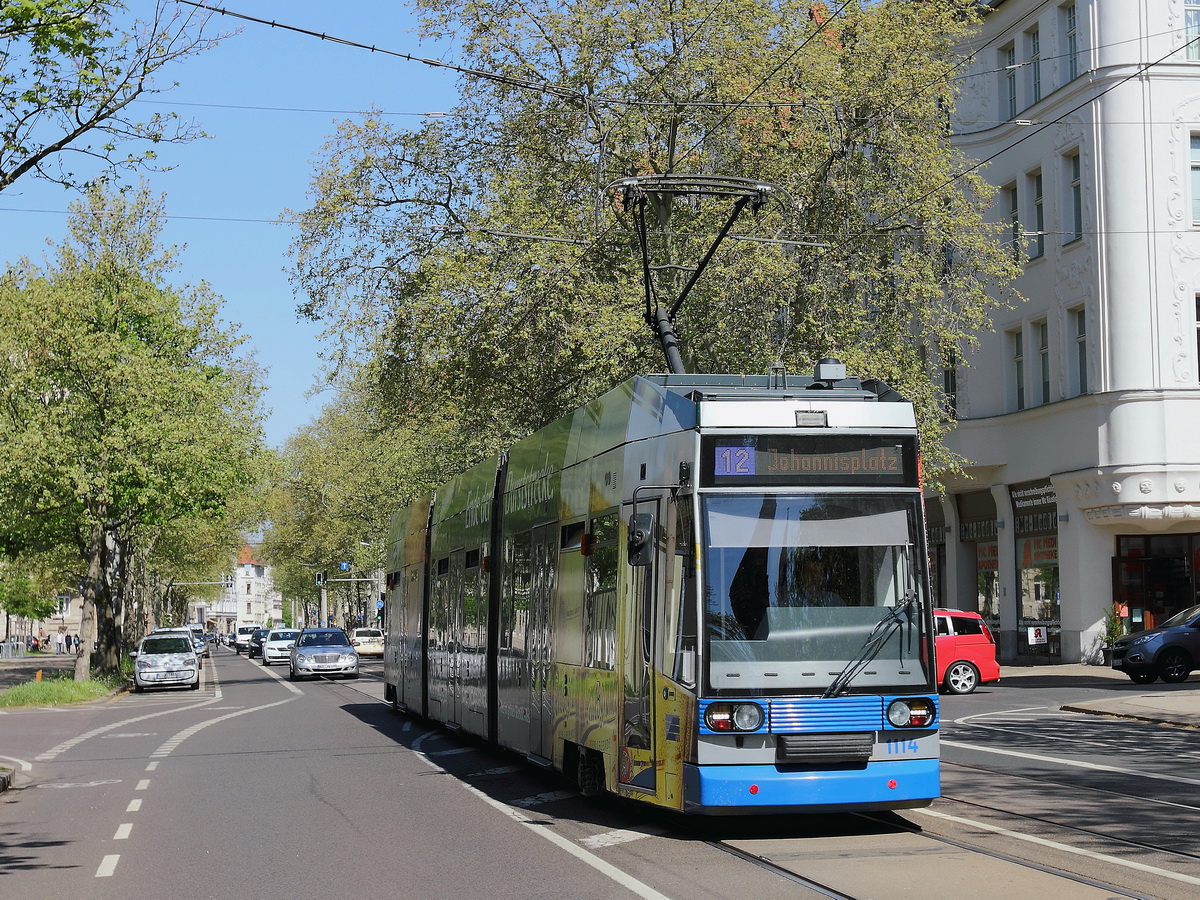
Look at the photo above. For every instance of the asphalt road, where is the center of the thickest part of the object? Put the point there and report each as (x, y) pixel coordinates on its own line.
(254, 786)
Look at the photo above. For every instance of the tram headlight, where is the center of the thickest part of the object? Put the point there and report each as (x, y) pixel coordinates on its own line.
(733, 716)
(912, 712)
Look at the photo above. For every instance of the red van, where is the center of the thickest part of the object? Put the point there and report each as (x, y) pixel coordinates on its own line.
(966, 652)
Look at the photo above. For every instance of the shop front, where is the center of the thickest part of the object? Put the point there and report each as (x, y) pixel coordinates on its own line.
(1154, 577)
(1039, 613)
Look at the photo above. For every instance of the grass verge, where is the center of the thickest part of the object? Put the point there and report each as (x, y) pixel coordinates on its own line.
(58, 689)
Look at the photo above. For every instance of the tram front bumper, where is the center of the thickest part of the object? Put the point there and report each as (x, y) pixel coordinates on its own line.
(715, 790)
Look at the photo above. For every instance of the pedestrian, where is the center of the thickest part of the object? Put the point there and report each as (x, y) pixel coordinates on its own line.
(58, 642)
(76, 640)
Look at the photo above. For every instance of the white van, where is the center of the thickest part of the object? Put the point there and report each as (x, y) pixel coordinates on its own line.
(244, 632)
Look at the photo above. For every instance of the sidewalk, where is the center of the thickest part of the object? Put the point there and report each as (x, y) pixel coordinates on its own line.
(1164, 704)
(24, 668)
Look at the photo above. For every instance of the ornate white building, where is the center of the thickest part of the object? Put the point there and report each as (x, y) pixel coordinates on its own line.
(1080, 414)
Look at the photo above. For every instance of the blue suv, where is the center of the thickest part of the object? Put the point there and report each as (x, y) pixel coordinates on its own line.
(1169, 652)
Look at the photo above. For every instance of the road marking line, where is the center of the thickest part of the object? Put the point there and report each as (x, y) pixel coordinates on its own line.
(143, 784)
(539, 799)
(25, 767)
(123, 831)
(177, 739)
(150, 767)
(621, 836)
(134, 806)
(538, 826)
(1079, 764)
(1066, 848)
(108, 865)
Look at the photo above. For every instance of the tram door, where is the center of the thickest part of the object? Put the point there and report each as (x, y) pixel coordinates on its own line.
(636, 766)
(541, 712)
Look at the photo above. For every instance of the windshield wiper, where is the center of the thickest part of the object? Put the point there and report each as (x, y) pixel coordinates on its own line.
(875, 642)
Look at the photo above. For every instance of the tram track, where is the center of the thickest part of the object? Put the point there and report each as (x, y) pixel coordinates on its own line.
(1041, 782)
(899, 823)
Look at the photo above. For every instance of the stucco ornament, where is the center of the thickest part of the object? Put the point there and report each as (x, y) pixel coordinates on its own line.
(1145, 485)
(1180, 486)
(1116, 487)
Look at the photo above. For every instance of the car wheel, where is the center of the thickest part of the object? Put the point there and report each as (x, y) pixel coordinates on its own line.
(1143, 677)
(265, 661)
(137, 688)
(961, 678)
(1174, 666)
(292, 676)
(195, 685)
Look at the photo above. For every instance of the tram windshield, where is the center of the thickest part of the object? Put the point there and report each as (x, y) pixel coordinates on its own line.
(795, 585)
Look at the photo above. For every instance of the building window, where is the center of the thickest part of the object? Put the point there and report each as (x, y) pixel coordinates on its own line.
(248, 610)
(1196, 179)
(1014, 221)
(1079, 380)
(247, 587)
(1192, 21)
(1018, 368)
(1034, 42)
(1043, 332)
(1037, 246)
(1198, 335)
(1075, 198)
(1070, 41)
(950, 382)
(1008, 65)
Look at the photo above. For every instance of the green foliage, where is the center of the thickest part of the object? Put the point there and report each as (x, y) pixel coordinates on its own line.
(25, 589)
(69, 70)
(55, 689)
(1114, 626)
(128, 406)
(483, 267)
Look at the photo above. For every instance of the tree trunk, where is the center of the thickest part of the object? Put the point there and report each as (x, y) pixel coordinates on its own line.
(91, 588)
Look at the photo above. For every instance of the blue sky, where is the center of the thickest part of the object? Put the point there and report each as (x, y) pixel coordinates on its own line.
(269, 98)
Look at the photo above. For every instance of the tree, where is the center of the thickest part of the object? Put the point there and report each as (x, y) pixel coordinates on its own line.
(24, 592)
(486, 264)
(126, 403)
(69, 71)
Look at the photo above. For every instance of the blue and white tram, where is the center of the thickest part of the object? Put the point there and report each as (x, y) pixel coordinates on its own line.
(704, 592)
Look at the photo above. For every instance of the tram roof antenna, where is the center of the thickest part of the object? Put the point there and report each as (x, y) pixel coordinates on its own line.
(661, 191)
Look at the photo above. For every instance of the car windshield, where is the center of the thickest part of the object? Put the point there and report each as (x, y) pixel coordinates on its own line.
(282, 635)
(797, 585)
(166, 645)
(1181, 618)
(323, 639)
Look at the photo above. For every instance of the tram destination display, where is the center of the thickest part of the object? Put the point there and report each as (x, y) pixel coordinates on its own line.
(765, 459)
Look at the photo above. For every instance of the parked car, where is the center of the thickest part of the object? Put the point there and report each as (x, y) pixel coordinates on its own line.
(966, 651)
(254, 647)
(277, 645)
(165, 659)
(242, 640)
(1169, 652)
(367, 641)
(322, 651)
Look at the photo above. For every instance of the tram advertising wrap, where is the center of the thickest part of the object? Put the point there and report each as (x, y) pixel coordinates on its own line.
(704, 592)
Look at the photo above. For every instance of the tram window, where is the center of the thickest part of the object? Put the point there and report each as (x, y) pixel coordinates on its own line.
(572, 536)
(471, 560)
(443, 565)
(600, 602)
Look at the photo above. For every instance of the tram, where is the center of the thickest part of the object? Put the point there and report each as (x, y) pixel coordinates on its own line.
(703, 592)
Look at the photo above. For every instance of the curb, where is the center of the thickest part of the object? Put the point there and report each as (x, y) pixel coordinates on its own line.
(6, 776)
(1135, 717)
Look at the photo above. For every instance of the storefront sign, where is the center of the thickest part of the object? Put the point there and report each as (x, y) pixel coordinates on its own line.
(1037, 635)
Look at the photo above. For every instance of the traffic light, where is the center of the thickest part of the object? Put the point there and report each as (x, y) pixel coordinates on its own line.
(320, 578)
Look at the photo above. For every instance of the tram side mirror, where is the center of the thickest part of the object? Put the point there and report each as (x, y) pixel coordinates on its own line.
(641, 545)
